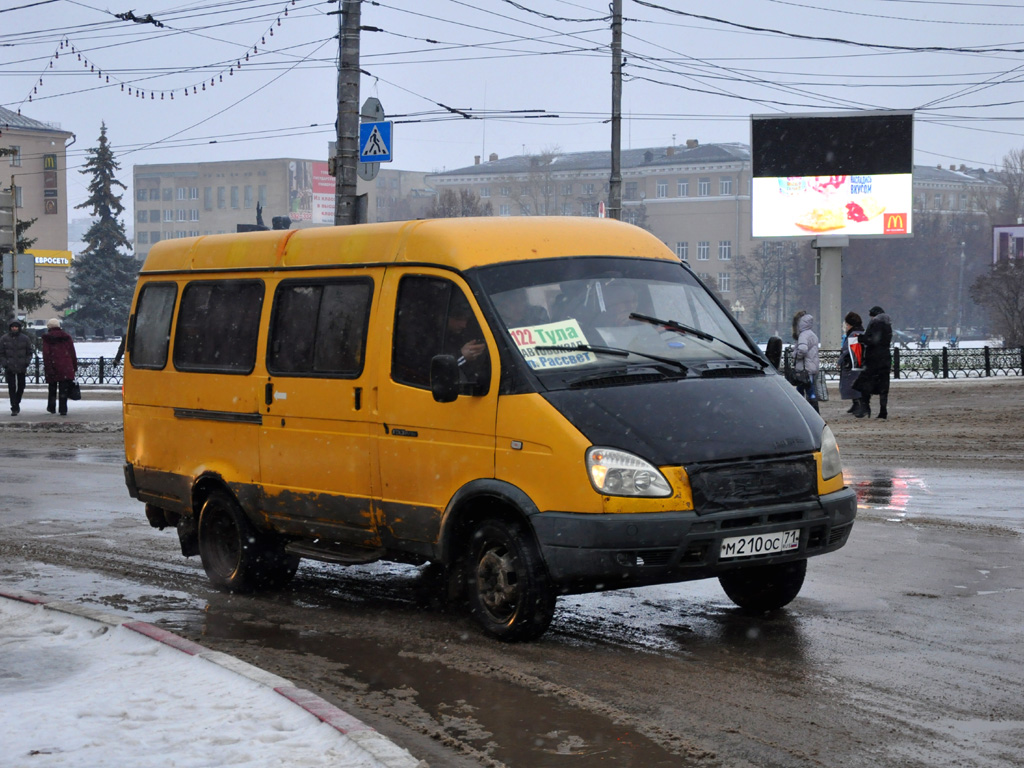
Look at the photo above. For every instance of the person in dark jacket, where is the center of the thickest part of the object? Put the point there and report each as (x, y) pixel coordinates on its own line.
(60, 363)
(874, 380)
(848, 370)
(16, 352)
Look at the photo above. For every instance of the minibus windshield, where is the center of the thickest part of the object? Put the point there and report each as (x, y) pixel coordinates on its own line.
(571, 317)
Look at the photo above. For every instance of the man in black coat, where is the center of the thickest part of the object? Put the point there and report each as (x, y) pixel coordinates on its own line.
(16, 352)
(877, 340)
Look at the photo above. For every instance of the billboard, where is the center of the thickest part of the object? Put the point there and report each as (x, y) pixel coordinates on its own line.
(310, 192)
(847, 174)
(1007, 243)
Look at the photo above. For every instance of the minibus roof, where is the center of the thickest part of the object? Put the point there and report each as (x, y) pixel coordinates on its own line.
(459, 244)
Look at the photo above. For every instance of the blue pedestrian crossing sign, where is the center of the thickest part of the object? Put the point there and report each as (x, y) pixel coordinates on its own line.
(375, 142)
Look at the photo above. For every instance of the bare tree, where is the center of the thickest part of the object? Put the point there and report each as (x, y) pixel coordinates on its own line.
(1001, 292)
(762, 278)
(453, 205)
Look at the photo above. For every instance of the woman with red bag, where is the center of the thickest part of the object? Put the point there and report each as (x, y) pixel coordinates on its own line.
(851, 359)
(59, 363)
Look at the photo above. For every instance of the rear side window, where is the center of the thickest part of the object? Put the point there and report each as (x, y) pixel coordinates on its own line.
(151, 337)
(319, 327)
(218, 324)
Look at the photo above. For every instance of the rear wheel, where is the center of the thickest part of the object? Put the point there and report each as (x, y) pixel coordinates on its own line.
(508, 588)
(237, 557)
(763, 588)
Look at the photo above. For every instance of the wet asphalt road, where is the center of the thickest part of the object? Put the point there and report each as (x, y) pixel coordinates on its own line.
(906, 648)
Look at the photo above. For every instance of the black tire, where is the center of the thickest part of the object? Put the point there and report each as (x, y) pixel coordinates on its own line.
(236, 557)
(508, 588)
(763, 588)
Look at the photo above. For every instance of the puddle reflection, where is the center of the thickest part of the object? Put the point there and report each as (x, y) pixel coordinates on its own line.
(892, 490)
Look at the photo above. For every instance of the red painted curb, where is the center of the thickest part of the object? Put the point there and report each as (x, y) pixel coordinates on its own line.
(336, 718)
(165, 637)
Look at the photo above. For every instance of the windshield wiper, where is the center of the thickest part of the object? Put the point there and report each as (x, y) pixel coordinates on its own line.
(616, 352)
(672, 325)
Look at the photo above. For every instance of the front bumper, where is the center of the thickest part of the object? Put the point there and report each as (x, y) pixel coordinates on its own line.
(586, 553)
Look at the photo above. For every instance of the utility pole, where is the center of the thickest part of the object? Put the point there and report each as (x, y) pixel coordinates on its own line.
(615, 180)
(347, 158)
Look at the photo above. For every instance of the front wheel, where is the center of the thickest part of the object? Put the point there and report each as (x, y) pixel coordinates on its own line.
(763, 588)
(508, 587)
(237, 557)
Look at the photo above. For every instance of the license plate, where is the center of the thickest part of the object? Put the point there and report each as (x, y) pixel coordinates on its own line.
(761, 544)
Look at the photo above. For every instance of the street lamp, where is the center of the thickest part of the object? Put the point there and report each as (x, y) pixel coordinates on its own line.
(960, 293)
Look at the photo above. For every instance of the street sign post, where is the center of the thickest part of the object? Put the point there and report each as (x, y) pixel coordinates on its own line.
(372, 112)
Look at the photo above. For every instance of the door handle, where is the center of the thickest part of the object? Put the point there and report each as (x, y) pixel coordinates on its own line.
(268, 393)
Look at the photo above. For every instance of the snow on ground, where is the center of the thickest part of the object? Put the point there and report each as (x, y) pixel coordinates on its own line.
(79, 693)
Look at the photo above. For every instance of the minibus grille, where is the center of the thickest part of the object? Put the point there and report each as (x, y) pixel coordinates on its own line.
(723, 487)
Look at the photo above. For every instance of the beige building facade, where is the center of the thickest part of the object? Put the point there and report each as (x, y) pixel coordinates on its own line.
(189, 199)
(694, 197)
(36, 171)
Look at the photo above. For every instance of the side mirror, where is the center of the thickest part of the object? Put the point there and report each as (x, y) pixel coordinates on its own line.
(774, 351)
(444, 378)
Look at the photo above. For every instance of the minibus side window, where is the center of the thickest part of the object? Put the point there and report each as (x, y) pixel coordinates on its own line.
(218, 325)
(152, 335)
(319, 328)
(433, 317)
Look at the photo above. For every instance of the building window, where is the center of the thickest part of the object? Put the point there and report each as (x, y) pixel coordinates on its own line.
(704, 277)
(234, 197)
(248, 196)
(183, 193)
(588, 190)
(193, 193)
(143, 238)
(485, 191)
(567, 189)
(180, 233)
(19, 201)
(724, 250)
(524, 209)
(504, 209)
(662, 189)
(683, 188)
(142, 216)
(142, 195)
(193, 214)
(168, 194)
(590, 209)
(168, 215)
(15, 156)
(506, 191)
(154, 237)
(222, 197)
(683, 251)
(704, 187)
(725, 185)
(724, 280)
(938, 200)
(154, 194)
(963, 202)
(567, 209)
(154, 216)
(631, 192)
(630, 216)
(261, 195)
(703, 250)
(181, 214)
(208, 198)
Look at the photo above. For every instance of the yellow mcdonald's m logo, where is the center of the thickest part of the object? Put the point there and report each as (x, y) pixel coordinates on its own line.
(895, 223)
(49, 162)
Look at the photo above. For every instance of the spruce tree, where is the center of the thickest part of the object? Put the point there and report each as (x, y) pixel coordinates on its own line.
(102, 276)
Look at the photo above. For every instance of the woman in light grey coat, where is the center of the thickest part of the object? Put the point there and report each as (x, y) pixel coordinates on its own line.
(805, 354)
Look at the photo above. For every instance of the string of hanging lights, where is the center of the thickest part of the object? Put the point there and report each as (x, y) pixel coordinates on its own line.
(67, 48)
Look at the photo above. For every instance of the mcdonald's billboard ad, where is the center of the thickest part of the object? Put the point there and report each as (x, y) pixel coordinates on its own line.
(849, 174)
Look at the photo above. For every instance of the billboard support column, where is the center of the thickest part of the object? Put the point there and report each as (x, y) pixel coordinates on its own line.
(830, 254)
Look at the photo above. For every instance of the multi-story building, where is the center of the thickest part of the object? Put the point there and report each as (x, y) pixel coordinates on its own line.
(189, 199)
(37, 173)
(695, 198)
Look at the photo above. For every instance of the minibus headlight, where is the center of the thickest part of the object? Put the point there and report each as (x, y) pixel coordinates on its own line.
(830, 463)
(617, 473)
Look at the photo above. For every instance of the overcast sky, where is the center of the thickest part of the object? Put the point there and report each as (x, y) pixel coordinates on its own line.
(694, 70)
